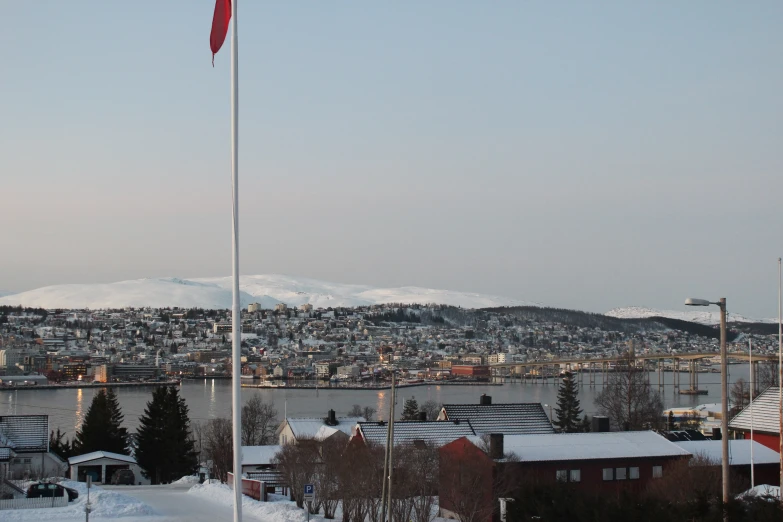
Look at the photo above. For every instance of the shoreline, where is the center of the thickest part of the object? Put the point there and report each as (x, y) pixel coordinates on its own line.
(370, 387)
(87, 385)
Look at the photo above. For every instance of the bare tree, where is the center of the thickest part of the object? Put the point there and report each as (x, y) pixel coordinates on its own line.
(697, 479)
(297, 463)
(422, 464)
(767, 375)
(218, 447)
(739, 396)
(628, 399)
(432, 409)
(368, 412)
(466, 485)
(326, 475)
(259, 422)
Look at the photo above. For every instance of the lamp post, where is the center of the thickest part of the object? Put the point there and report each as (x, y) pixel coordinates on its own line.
(724, 409)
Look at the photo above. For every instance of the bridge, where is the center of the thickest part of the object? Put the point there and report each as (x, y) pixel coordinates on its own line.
(544, 370)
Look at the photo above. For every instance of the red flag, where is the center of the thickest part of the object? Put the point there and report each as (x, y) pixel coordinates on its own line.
(219, 26)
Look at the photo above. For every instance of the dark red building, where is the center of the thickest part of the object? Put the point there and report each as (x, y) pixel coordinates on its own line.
(470, 370)
(596, 462)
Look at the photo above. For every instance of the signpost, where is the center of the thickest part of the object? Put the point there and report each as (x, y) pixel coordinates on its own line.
(309, 496)
(87, 506)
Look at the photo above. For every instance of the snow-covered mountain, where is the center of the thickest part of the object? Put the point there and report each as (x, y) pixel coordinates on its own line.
(268, 290)
(3, 293)
(703, 316)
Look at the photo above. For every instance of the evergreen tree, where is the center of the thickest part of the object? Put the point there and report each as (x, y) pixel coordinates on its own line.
(102, 428)
(59, 444)
(568, 410)
(165, 450)
(411, 410)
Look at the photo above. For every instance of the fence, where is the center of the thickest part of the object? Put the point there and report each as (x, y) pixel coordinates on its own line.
(34, 503)
(252, 488)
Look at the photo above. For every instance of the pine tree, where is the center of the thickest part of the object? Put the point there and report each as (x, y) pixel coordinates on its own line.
(102, 428)
(411, 410)
(568, 410)
(59, 445)
(165, 450)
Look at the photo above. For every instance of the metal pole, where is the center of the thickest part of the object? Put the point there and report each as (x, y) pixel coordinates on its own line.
(780, 382)
(236, 322)
(386, 456)
(391, 451)
(750, 358)
(724, 405)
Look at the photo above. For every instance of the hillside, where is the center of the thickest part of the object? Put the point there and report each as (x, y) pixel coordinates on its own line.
(215, 293)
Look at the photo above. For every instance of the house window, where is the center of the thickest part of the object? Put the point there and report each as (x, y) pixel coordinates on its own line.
(562, 475)
(620, 473)
(657, 471)
(27, 461)
(633, 473)
(576, 475)
(608, 474)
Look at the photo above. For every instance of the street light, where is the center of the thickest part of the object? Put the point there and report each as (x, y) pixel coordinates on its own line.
(724, 422)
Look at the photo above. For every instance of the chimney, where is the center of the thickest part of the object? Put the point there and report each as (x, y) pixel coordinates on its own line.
(600, 424)
(422, 415)
(331, 419)
(496, 446)
(485, 400)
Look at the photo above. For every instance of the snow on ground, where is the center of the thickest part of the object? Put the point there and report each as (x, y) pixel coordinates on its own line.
(190, 479)
(704, 316)
(107, 505)
(268, 290)
(763, 490)
(278, 510)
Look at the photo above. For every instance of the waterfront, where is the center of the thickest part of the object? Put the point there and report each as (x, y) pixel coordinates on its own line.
(208, 398)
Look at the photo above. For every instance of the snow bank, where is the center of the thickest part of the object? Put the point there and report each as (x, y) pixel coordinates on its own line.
(762, 490)
(190, 479)
(280, 511)
(105, 504)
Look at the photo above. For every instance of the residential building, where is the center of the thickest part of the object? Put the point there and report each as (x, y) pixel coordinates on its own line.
(593, 462)
(24, 448)
(292, 429)
(101, 466)
(765, 411)
(437, 433)
(509, 419)
(766, 462)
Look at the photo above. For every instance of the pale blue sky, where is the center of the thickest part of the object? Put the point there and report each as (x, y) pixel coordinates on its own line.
(579, 154)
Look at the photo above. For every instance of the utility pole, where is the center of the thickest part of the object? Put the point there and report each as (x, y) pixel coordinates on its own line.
(724, 406)
(391, 449)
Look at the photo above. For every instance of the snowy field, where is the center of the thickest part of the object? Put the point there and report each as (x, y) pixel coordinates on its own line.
(180, 501)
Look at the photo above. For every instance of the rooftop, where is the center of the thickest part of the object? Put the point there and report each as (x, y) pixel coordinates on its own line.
(100, 455)
(258, 455)
(766, 413)
(25, 433)
(509, 419)
(589, 446)
(739, 451)
(406, 432)
(318, 429)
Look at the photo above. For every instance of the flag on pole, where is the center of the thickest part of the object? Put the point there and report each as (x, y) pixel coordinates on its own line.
(219, 26)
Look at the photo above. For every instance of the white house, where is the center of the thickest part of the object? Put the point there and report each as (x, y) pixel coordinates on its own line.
(24, 448)
(313, 428)
(258, 458)
(101, 466)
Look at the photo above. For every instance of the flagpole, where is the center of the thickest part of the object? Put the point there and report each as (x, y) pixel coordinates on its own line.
(236, 323)
(780, 380)
(752, 466)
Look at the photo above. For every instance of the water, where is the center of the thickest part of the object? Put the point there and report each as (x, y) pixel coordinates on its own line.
(209, 398)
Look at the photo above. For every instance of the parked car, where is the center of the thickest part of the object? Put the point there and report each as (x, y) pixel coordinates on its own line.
(123, 477)
(50, 489)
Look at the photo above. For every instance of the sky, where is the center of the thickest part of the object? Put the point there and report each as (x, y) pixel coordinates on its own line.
(578, 154)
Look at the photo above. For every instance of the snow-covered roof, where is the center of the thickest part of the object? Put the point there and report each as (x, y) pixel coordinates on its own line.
(766, 413)
(763, 490)
(589, 446)
(739, 451)
(6, 454)
(26, 433)
(406, 432)
(100, 455)
(258, 455)
(509, 419)
(314, 428)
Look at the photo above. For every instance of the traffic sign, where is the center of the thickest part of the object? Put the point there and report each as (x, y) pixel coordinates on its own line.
(309, 492)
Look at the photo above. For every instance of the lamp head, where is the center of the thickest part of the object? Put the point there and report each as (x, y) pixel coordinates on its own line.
(696, 302)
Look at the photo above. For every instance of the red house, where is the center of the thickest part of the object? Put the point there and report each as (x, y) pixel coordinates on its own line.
(764, 415)
(472, 472)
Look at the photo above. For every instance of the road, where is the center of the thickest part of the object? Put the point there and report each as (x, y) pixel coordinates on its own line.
(174, 504)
